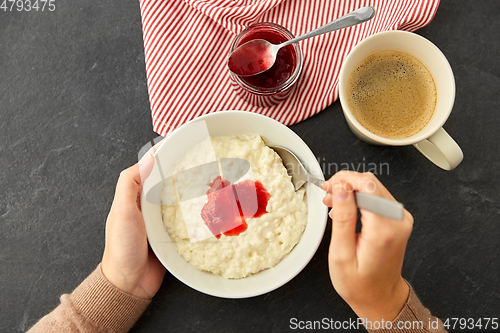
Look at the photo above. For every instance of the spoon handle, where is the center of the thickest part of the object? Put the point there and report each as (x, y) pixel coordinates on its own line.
(356, 17)
(373, 203)
(379, 205)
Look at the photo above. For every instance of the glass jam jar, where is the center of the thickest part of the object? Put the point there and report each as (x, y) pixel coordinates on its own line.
(274, 85)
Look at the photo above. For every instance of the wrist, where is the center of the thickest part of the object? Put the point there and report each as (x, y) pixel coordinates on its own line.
(385, 306)
(115, 278)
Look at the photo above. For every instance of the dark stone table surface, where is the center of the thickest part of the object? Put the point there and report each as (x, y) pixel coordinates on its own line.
(74, 112)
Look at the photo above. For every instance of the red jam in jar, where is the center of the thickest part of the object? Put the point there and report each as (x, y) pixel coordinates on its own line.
(274, 85)
(283, 67)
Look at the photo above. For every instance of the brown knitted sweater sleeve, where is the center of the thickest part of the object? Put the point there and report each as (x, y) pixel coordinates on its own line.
(414, 318)
(94, 306)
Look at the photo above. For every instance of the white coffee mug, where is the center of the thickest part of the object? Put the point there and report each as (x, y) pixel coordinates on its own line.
(432, 140)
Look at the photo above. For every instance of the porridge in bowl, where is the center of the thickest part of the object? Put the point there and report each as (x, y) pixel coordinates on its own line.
(233, 238)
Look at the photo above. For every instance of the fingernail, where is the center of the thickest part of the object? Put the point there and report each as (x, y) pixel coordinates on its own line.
(327, 200)
(145, 157)
(339, 193)
(146, 164)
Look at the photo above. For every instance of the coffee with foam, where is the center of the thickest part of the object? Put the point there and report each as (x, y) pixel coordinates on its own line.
(392, 94)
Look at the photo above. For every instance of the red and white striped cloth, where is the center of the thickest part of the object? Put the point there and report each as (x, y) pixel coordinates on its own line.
(187, 43)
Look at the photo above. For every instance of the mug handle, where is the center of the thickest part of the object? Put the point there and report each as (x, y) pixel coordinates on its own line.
(441, 150)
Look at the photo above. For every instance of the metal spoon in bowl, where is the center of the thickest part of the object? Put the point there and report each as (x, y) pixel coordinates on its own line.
(370, 202)
(258, 55)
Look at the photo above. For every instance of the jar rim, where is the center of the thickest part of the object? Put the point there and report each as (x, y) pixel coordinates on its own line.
(285, 85)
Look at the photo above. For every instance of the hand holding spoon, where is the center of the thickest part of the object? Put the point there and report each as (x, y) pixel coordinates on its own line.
(258, 55)
(370, 202)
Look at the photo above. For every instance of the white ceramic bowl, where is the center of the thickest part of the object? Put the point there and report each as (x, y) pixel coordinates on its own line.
(273, 133)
